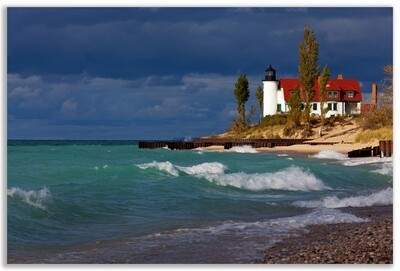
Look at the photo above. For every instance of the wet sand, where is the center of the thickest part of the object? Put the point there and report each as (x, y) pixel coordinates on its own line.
(347, 243)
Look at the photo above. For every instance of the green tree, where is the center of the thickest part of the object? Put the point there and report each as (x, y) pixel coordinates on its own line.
(242, 94)
(260, 96)
(294, 115)
(308, 69)
(322, 81)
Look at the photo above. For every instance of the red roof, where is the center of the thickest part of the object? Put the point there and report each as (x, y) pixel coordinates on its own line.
(343, 86)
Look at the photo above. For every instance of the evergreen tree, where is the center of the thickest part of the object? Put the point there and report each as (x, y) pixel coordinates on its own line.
(308, 69)
(260, 96)
(242, 94)
(322, 81)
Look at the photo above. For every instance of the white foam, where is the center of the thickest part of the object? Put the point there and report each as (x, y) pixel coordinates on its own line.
(162, 166)
(365, 161)
(383, 197)
(329, 154)
(34, 198)
(385, 169)
(292, 178)
(204, 168)
(97, 167)
(243, 149)
(277, 226)
(283, 155)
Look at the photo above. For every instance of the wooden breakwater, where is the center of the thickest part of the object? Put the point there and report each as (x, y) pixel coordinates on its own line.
(385, 149)
(227, 143)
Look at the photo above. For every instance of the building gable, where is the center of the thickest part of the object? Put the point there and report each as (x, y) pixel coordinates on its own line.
(347, 90)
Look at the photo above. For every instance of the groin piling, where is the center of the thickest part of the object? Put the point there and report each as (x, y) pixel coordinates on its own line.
(227, 143)
(385, 149)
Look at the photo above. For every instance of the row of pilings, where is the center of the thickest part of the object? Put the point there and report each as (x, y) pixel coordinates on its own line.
(385, 149)
(227, 143)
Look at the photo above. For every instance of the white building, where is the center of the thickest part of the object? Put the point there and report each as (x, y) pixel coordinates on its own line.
(343, 96)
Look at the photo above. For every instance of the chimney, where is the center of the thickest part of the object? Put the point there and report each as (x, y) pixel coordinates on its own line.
(374, 97)
(340, 76)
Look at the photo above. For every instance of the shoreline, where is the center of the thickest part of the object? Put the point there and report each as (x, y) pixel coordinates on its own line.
(345, 243)
(301, 148)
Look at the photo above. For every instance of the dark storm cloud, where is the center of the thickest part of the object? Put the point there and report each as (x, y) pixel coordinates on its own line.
(173, 69)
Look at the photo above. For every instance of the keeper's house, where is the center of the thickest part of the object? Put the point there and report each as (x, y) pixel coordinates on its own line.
(343, 96)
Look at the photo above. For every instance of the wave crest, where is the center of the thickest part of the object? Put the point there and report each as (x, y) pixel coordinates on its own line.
(36, 199)
(383, 197)
(292, 178)
(243, 149)
(386, 169)
(211, 168)
(204, 168)
(329, 154)
(366, 161)
(162, 166)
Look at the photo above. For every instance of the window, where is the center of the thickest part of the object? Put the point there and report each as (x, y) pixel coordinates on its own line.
(350, 94)
(332, 106)
(279, 108)
(332, 94)
(314, 106)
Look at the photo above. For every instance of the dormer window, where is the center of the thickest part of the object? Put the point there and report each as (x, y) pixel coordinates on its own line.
(332, 94)
(350, 94)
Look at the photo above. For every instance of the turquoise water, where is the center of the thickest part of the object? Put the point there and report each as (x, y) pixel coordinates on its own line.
(112, 202)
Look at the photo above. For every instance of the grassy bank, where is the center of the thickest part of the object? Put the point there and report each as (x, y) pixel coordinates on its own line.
(366, 136)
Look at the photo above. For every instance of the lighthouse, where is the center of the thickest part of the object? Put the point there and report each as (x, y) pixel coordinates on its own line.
(270, 92)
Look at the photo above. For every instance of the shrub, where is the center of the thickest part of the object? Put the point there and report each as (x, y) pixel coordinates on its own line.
(376, 119)
(366, 136)
(273, 120)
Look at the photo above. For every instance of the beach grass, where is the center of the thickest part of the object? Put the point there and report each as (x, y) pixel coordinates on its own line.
(385, 133)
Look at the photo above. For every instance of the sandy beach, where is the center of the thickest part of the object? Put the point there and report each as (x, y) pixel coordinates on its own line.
(304, 148)
(348, 243)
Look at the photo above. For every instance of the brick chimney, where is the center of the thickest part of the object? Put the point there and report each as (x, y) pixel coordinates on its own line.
(340, 76)
(374, 97)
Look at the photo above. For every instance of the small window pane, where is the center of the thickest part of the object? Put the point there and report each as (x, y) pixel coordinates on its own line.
(314, 106)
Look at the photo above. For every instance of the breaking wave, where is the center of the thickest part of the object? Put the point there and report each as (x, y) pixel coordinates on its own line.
(383, 197)
(366, 161)
(205, 168)
(33, 198)
(162, 166)
(386, 169)
(168, 167)
(292, 178)
(243, 149)
(329, 154)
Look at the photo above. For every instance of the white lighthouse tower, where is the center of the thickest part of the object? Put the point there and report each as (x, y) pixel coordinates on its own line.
(270, 90)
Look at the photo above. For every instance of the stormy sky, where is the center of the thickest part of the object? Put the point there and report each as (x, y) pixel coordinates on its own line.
(163, 73)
